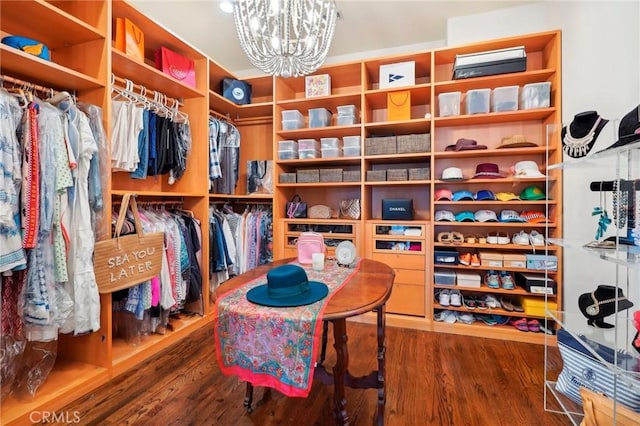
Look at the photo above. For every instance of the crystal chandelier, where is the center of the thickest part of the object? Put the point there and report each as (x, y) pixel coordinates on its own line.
(287, 38)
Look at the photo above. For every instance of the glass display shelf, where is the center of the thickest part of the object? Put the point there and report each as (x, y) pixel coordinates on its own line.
(623, 255)
(595, 159)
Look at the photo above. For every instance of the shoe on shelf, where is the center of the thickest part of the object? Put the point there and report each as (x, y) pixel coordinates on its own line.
(475, 260)
(491, 279)
(465, 317)
(497, 238)
(455, 298)
(506, 304)
(533, 325)
(521, 239)
(491, 301)
(444, 297)
(520, 323)
(465, 259)
(470, 302)
(507, 280)
(536, 238)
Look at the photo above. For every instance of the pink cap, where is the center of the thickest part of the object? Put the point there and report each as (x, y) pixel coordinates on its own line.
(443, 194)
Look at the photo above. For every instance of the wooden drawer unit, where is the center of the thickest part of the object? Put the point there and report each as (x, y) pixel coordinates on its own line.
(410, 276)
(334, 232)
(401, 260)
(407, 299)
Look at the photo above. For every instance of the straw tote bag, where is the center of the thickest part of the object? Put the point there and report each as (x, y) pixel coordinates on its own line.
(125, 261)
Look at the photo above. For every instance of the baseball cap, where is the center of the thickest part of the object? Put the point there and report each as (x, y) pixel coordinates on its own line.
(442, 194)
(452, 173)
(527, 169)
(445, 216)
(486, 216)
(510, 216)
(532, 193)
(484, 194)
(465, 216)
(463, 194)
(534, 217)
(506, 196)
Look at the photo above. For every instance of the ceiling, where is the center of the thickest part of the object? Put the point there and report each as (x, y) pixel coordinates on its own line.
(365, 24)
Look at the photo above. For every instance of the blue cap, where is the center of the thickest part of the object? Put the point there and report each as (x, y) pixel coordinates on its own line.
(465, 216)
(463, 194)
(485, 194)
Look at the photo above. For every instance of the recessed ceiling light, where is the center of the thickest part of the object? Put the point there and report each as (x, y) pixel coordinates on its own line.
(226, 6)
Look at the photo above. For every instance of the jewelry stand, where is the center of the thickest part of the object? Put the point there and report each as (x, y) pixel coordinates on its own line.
(631, 187)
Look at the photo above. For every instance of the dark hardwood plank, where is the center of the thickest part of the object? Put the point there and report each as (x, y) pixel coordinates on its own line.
(432, 379)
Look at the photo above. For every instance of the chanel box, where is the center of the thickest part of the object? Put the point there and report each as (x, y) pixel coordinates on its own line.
(397, 209)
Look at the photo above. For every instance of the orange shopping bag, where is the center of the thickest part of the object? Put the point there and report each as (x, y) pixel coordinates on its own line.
(399, 105)
(129, 39)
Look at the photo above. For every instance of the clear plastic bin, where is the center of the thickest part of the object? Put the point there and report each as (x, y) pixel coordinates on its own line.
(308, 153)
(505, 99)
(351, 141)
(308, 144)
(331, 152)
(292, 114)
(292, 124)
(319, 117)
(330, 143)
(449, 104)
(351, 151)
(346, 120)
(535, 95)
(477, 101)
(347, 110)
(288, 146)
(287, 154)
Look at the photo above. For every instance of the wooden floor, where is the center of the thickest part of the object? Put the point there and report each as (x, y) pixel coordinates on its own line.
(432, 379)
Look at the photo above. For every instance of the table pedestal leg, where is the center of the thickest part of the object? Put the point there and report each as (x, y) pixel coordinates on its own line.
(248, 397)
(382, 396)
(339, 370)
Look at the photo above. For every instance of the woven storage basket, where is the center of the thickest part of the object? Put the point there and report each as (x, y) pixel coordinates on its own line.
(419, 173)
(396, 174)
(330, 175)
(308, 175)
(351, 175)
(380, 146)
(376, 175)
(413, 143)
(287, 178)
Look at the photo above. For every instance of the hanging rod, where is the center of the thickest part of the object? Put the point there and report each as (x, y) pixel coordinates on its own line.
(122, 82)
(239, 201)
(28, 85)
(223, 117)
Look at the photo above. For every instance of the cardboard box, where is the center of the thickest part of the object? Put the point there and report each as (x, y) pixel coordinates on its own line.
(542, 262)
(536, 306)
(397, 75)
(466, 279)
(489, 258)
(536, 283)
(317, 85)
(511, 260)
(445, 278)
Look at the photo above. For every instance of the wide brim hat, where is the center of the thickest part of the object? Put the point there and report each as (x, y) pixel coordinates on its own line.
(488, 171)
(515, 141)
(287, 286)
(527, 169)
(629, 129)
(464, 144)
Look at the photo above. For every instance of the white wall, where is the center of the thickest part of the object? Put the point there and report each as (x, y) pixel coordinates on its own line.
(600, 71)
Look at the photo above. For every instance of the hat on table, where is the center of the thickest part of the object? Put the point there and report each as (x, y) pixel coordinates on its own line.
(527, 169)
(287, 286)
(487, 171)
(463, 144)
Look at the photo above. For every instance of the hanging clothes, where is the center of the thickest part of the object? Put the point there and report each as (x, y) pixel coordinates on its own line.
(224, 156)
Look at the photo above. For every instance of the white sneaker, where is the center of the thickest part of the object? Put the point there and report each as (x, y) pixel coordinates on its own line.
(521, 238)
(444, 297)
(536, 238)
(455, 298)
(492, 301)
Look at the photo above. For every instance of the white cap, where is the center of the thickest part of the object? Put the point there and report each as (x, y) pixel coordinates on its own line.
(445, 215)
(486, 216)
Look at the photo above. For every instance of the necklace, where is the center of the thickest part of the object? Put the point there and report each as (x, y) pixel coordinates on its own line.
(579, 147)
(620, 212)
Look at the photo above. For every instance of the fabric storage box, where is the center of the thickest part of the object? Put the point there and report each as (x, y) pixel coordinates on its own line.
(331, 152)
(535, 95)
(351, 175)
(409, 144)
(309, 153)
(449, 104)
(319, 117)
(287, 154)
(376, 175)
(330, 143)
(536, 305)
(445, 277)
(351, 151)
(504, 99)
(351, 141)
(477, 101)
(346, 120)
(468, 279)
(308, 144)
(536, 283)
(489, 258)
(287, 178)
(542, 262)
(317, 85)
(446, 257)
(330, 175)
(396, 174)
(398, 74)
(419, 173)
(510, 260)
(308, 175)
(382, 145)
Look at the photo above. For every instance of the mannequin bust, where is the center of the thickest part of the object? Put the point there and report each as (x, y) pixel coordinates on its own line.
(605, 300)
(580, 135)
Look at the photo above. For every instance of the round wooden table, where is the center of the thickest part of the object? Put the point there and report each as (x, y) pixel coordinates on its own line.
(368, 290)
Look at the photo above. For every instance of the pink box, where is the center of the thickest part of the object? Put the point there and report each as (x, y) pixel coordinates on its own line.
(317, 85)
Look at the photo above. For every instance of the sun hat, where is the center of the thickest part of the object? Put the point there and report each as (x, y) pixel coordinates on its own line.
(484, 194)
(452, 174)
(515, 141)
(465, 216)
(287, 285)
(534, 217)
(510, 216)
(444, 216)
(485, 216)
(532, 193)
(487, 171)
(442, 194)
(506, 196)
(526, 169)
(464, 144)
(628, 130)
(463, 194)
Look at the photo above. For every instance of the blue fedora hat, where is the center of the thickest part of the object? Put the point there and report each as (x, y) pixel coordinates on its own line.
(287, 286)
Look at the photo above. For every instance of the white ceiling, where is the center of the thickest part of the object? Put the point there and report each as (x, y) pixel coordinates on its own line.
(365, 25)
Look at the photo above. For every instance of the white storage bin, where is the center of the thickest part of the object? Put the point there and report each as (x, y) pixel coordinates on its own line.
(477, 101)
(331, 152)
(308, 144)
(535, 95)
(346, 120)
(449, 104)
(504, 99)
(351, 151)
(349, 141)
(308, 153)
(347, 110)
(288, 146)
(292, 124)
(287, 154)
(330, 143)
(292, 114)
(319, 117)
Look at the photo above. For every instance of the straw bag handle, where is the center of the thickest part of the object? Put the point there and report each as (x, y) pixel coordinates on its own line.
(126, 199)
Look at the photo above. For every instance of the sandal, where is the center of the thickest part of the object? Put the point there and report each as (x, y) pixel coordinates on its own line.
(444, 237)
(457, 238)
(533, 325)
(471, 239)
(506, 304)
(520, 323)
